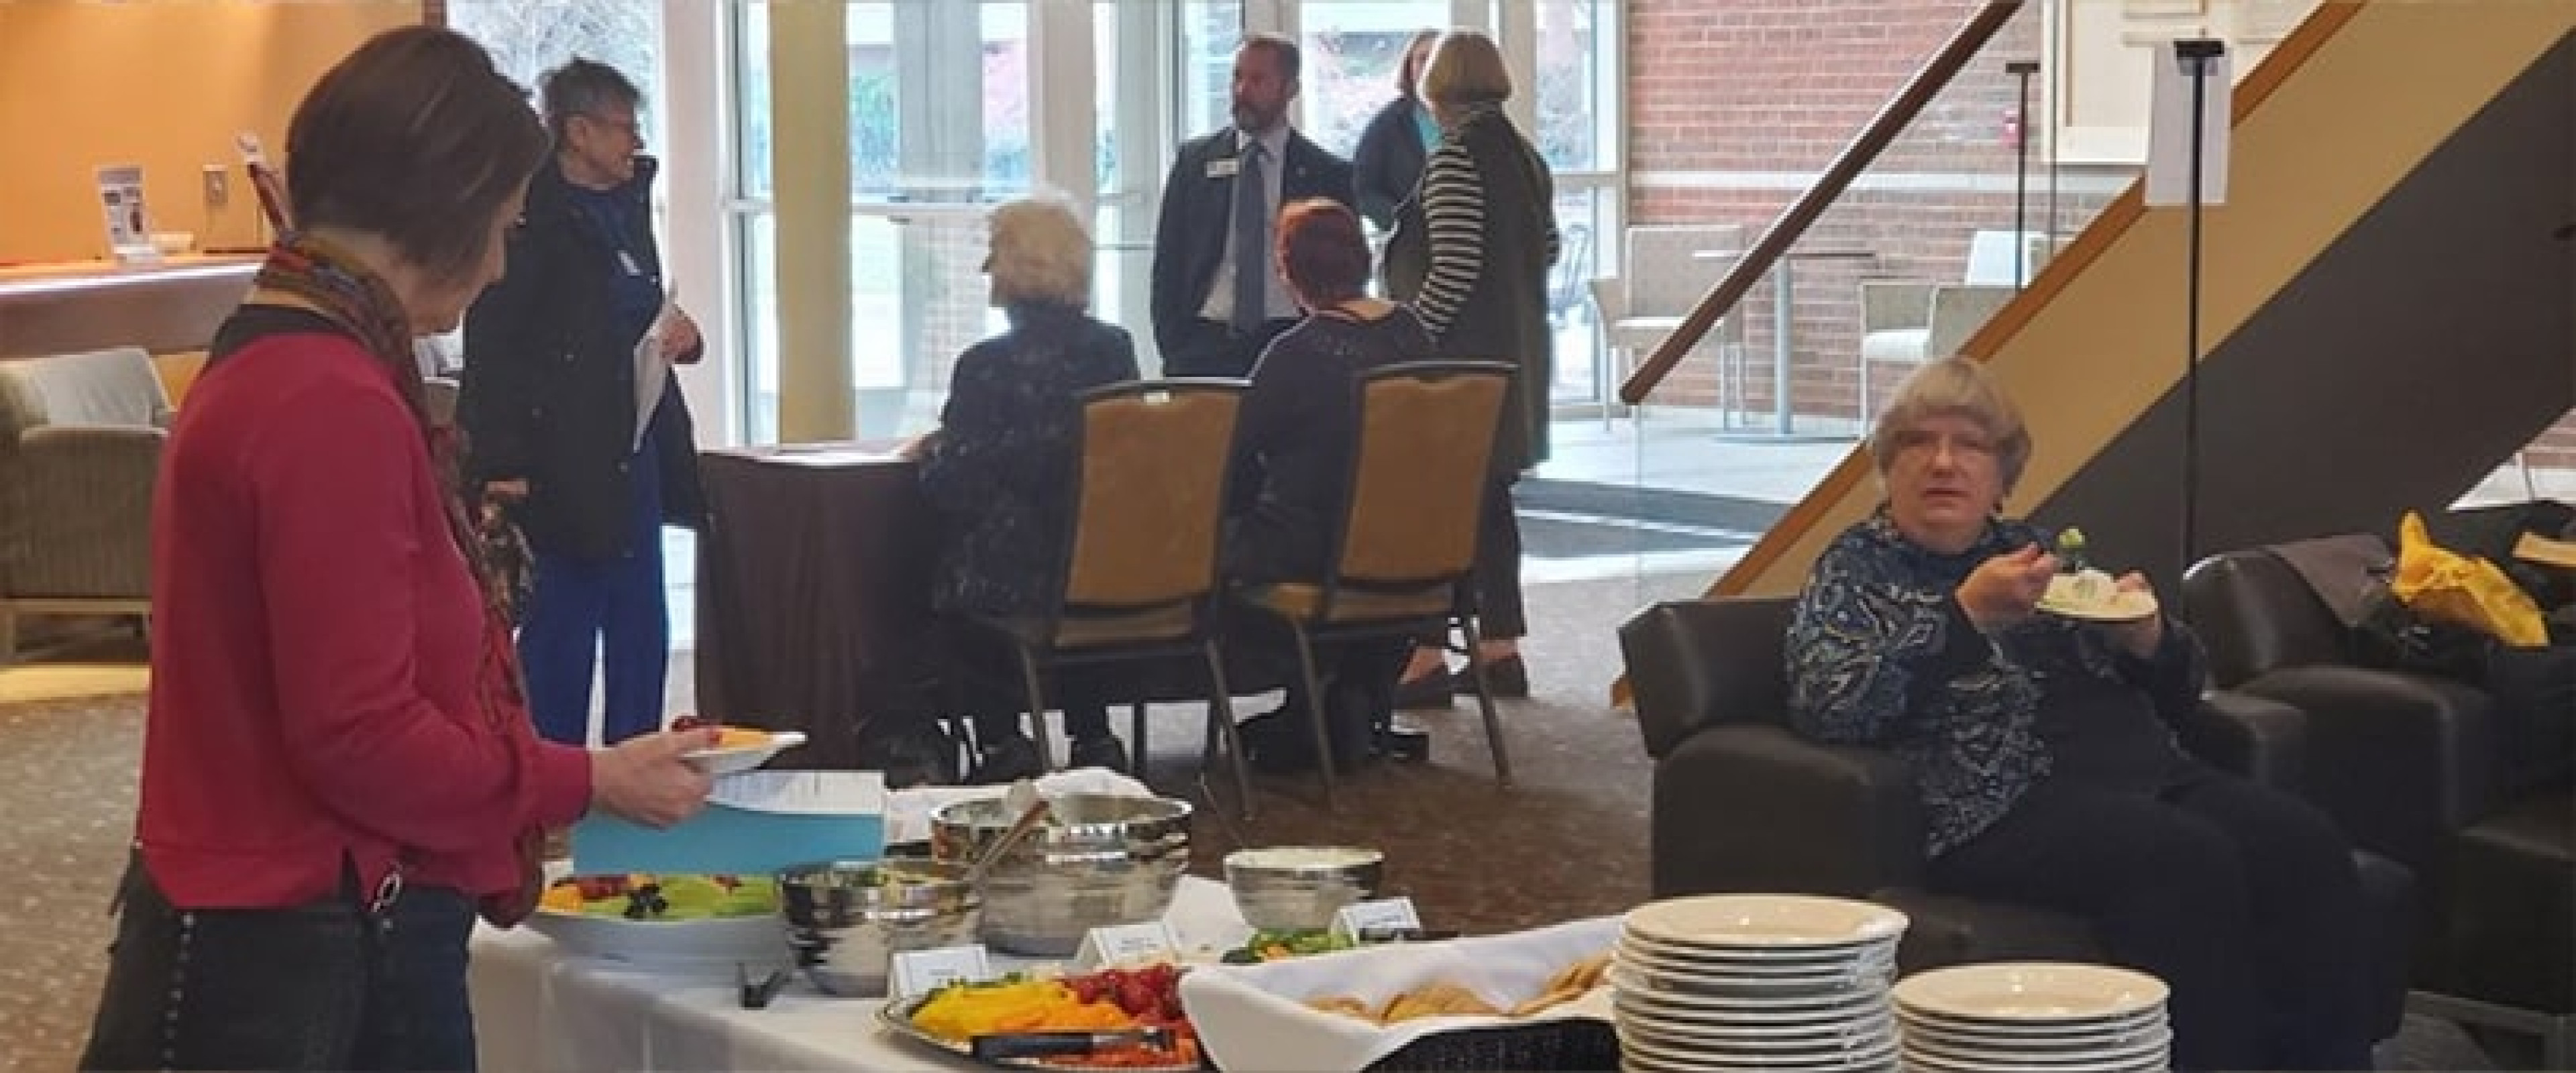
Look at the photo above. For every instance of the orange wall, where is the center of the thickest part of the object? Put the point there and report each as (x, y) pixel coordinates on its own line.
(160, 83)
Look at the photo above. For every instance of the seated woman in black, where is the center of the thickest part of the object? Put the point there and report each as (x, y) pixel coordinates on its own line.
(1299, 425)
(997, 469)
(2045, 751)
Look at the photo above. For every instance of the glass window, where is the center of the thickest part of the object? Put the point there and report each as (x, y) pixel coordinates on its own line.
(1574, 98)
(1353, 50)
(1210, 30)
(527, 38)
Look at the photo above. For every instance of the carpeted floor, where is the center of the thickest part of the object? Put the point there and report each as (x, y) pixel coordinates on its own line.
(1567, 841)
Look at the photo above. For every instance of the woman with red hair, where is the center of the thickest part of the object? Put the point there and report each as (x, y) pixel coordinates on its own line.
(1298, 427)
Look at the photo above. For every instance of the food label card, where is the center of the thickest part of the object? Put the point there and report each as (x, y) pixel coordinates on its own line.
(1121, 944)
(919, 972)
(1389, 914)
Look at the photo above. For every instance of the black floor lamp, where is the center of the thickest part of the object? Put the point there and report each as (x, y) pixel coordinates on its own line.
(2197, 56)
(2022, 70)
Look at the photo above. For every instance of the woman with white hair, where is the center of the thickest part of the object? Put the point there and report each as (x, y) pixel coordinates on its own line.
(2045, 753)
(996, 468)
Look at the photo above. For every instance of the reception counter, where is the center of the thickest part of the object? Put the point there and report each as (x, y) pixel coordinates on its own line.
(166, 308)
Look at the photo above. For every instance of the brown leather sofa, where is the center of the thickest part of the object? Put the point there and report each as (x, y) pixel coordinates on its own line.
(1741, 803)
(2426, 771)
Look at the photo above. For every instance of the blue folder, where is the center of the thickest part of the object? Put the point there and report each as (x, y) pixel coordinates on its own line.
(735, 836)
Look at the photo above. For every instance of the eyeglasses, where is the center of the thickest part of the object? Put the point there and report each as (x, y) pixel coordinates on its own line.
(633, 127)
(1926, 441)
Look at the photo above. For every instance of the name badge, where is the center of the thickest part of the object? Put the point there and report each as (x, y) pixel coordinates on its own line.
(919, 972)
(1122, 944)
(1224, 167)
(1384, 914)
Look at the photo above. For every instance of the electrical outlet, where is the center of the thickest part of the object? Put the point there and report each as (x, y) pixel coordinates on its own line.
(218, 186)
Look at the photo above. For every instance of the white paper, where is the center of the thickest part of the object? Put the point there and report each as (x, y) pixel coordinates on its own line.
(1127, 944)
(1392, 914)
(804, 793)
(129, 223)
(653, 365)
(2169, 148)
(1255, 1016)
(919, 971)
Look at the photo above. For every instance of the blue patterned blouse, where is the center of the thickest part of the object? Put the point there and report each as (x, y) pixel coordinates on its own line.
(1881, 654)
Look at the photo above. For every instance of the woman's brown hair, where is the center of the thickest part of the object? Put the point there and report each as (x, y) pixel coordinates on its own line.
(1322, 252)
(416, 138)
(1408, 71)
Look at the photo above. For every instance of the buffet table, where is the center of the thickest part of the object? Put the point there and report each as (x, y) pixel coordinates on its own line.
(536, 1008)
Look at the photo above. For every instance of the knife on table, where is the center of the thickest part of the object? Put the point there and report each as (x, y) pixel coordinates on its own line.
(1002, 1047)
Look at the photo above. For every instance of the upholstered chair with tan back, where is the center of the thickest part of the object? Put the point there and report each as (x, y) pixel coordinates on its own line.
(1140, 560)
(1407, 539)
(80, 446)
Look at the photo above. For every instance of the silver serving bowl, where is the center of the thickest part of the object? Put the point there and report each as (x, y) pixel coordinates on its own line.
(1098, 860)
(1299, 888)
(846, 920)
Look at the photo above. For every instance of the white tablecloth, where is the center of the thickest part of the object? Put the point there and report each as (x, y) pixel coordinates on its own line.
(536, 1008)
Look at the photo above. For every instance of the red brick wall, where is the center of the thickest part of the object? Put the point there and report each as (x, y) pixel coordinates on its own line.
(1718, 89)
(1728, 96)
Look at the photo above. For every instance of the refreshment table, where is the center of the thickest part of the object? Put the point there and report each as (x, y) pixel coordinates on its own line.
(539, 1008)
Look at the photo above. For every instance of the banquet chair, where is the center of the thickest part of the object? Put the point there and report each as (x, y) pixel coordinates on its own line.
(1741, 803)
(1137, 577)
(1405, 541)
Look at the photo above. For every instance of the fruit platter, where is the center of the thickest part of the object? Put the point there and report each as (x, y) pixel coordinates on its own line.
(1118, 1018)
(715, 920)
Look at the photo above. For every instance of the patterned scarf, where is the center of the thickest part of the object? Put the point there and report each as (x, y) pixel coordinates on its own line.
(359, 302)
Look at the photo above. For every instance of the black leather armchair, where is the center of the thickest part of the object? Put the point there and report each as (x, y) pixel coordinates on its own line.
(1743, 803)
(2422, 770)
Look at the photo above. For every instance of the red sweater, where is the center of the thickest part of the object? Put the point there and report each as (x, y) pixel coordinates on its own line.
(315, 643)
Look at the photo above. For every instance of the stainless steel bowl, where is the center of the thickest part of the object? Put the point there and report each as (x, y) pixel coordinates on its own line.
(1098, 860)
(1299, 888)
(846, 920)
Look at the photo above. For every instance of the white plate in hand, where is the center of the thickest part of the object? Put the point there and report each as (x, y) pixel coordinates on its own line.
(736, 759)
(2106, 604)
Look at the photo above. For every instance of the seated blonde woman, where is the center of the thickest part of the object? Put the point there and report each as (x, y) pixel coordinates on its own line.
(2046, 755)
(996, 470)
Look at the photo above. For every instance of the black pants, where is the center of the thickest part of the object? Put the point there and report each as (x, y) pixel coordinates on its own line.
(321, 986)
(1207, 348)
(1499, 612)
(2242, 899)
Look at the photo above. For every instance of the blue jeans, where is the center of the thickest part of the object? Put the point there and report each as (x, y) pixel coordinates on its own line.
(609, 615)
(320, 986)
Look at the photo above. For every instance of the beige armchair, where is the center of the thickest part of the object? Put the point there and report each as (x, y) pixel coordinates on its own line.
(1909, 322)
(80, 446)
(1667, 269)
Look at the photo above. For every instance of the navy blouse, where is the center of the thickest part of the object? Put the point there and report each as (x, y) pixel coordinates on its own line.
(999, 470)
(1881, 654)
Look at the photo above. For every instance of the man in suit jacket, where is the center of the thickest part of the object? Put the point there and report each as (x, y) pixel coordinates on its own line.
(1202, 323)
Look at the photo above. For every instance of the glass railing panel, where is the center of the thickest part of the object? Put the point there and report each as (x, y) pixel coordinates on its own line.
(1909, 261)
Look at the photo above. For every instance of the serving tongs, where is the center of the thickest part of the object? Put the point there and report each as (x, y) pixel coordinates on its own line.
(1012, 1046)
(1021, 798)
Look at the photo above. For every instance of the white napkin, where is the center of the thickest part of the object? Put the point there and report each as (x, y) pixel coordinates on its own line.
(907, 812)
(1254, 1017)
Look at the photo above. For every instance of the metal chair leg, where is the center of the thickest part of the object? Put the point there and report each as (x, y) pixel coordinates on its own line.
(1315, 709)
(1485, 701)
(1136, 743)
(1221, 722)
(1037, 708)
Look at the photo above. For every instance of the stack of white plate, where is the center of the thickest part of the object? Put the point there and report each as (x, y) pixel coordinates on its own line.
(2033, 1016)
(1756, 981)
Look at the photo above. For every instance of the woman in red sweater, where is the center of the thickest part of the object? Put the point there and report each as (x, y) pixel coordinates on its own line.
(339, 772)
